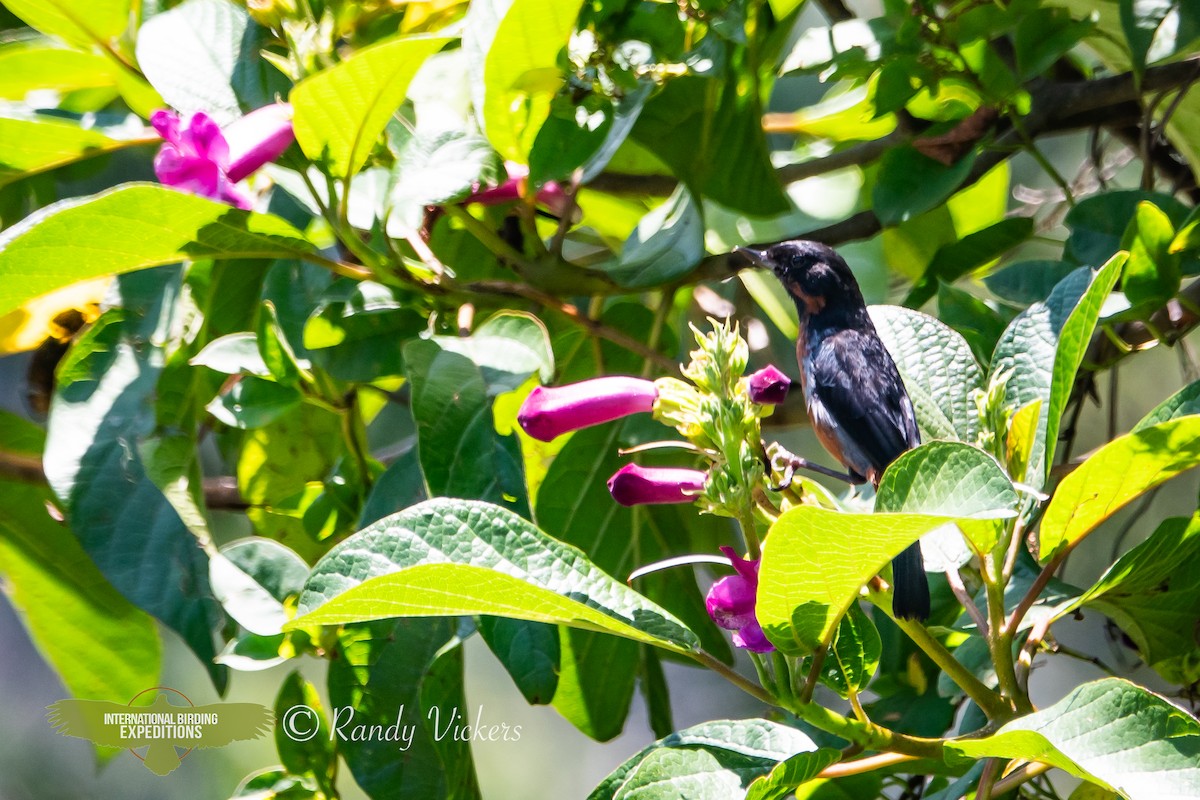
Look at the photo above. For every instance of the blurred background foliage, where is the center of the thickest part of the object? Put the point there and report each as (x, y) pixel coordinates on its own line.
(963, 156)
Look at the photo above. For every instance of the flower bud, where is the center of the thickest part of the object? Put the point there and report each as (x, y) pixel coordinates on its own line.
(768, 386)
(633, 485)
(258, 138)
(549, 412)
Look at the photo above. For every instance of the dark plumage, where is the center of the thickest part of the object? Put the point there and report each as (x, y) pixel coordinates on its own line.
(856, 399)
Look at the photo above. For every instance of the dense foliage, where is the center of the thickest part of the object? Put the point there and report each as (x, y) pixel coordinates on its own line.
(311, 260)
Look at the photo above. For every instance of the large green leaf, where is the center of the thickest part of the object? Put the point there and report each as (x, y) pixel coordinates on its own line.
(204, 55)
(1152, 273)
(1110, 732)
(101, 419)
(448, 557)
(27, 67)
(910, 183)
(521, 74)
(341, 112)
(717, 760)
(100, 645)
(1153, 593)
(666, 244)
(1115, 475)
(1098, 223)
(1044, 347)
(30, 146)
(81, 24)
(938, 369)
(407, 672)
(949, 479)
(854, 657)
(128, 228)
(814, 563)
(1184, 402)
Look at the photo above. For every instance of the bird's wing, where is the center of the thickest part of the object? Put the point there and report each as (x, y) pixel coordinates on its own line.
(857, 382)
(85, 719)
(235, 721)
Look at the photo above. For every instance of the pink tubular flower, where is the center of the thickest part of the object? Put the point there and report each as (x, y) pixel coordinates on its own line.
(551, 195)
(549, 412)
(731, 601)
(201, 158)
(769, 386)
(632, 485)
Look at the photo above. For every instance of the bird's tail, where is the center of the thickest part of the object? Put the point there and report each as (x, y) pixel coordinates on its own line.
(911, 596)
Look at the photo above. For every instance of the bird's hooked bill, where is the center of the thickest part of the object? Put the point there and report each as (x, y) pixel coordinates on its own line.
(756, 257)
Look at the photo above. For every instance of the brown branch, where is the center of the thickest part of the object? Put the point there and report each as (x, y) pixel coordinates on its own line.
(220, 493)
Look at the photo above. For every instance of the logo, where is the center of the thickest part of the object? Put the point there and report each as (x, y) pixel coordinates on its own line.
(162, 727)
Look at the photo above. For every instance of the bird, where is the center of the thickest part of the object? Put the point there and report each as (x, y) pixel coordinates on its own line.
(856, 400)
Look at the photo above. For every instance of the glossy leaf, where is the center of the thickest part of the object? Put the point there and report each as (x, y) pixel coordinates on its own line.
(30, 146)
(1116, 474)
(715, 760)
(1098, 223)
(910, 183)
(950, 479)
(1181, 404)
(1152, 271)
(938, 369)
(1028, 282)
(24, 69)
(814, 564)
(87, 25)
(499, 563)
(340, 112)
(131, 227)
(521, 73)
(1110, 732)
(667, 244)
(314, 756)
(1153, 593)
(253, 402)
(851, 662)
(791, 773)
(203, 55)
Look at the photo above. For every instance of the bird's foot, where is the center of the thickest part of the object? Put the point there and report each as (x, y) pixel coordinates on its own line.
(779, 459)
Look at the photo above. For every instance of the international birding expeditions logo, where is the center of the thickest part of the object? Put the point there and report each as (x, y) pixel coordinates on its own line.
(163, 728)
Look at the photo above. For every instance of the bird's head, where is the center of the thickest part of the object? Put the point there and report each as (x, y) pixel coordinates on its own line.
(813, 273)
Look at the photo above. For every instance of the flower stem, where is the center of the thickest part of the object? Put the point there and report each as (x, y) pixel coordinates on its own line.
(746, 520)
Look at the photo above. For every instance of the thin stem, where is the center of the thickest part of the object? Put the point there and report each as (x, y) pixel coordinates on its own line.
(1000, 645)
(985, 698)
(814, 674)
(869, 764)
(1025, 661)
(783, 677)
(960, 593)
(487, 237)
(749, 534)
(987, 780)
(1016, 778)
(733, 676)
(1043, 578)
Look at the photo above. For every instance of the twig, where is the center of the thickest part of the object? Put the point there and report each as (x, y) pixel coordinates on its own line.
(859, 766)
(960, 593)
(1019, 776)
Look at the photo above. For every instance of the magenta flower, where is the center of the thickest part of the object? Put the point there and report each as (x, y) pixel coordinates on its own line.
(769, 386)
(730, 603)
(551, 195)
(201, 158)
(632, 485)
(549, 412)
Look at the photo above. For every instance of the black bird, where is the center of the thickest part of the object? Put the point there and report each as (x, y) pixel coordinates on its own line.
(856, 400)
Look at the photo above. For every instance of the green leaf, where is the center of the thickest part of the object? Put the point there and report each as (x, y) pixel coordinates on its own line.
(976, 321)
(341, 112)
(1153, 593)
(1044, 347)
(314, 756)
(715, 760)
(354, 332)
(432, 170)
(96, 641)
(277, 464)
(102, 411)
(910, 183)
(1152, 273)
(408, 674)
(1141, 20)
(709, 132)
(1028, 282)
(276, 351)
(1044, 36)
(521, 73)
(1116, 474)
(31, 146)
(85, 25)
(233, 354)
(25, 68)
(496, 563)
(667, 244)
(855, 654)
(975, 250)
(815, 562)
(938, 369)
(1098, 223)
(253, 402)
(950, 479)
(791, 773)
(1181, 404)
(1110, 732)
(131, 227)
(204, 55)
